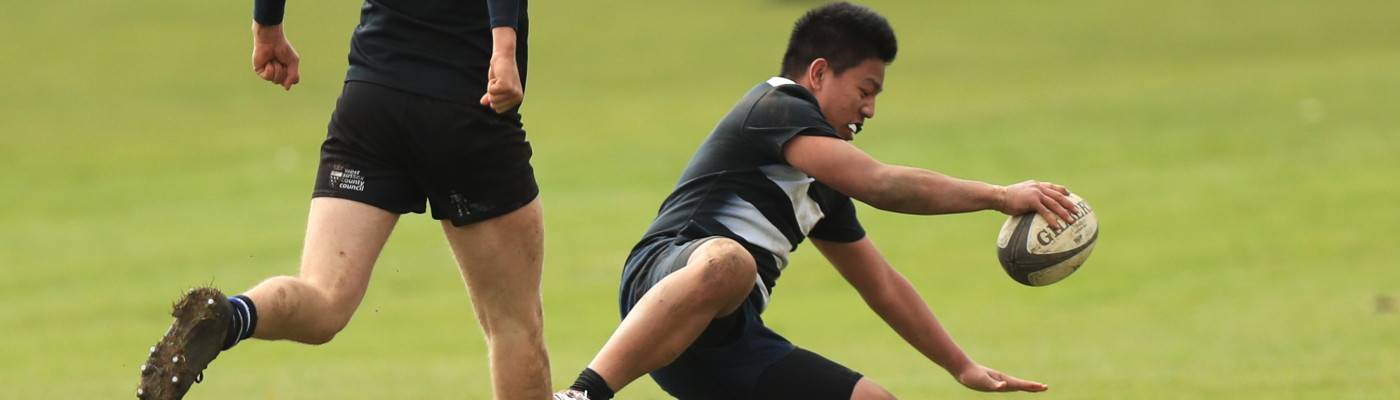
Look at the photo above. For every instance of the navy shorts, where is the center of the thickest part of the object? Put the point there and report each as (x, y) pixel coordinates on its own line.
(400, 151)
(737, 357)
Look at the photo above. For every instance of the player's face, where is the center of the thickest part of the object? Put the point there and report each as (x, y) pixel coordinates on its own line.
(848, 99)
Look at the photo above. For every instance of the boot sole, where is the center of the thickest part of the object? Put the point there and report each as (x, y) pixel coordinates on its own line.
(196, 337)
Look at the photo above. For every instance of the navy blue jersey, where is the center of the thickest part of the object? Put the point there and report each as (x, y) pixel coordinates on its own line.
(739, 186)
(436, 48)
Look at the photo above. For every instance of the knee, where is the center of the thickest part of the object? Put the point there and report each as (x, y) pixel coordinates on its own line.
(329, 321)
(867, 389)
(323, 332)
(510, 318)
(725, 263)
(322, 327)
(307, 312)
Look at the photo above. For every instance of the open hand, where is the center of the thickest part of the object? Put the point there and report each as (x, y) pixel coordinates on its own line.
(1045, 198)
(980, 378)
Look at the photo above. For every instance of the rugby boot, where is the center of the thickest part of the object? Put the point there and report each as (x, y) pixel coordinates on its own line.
(571, 395)
(202, 320)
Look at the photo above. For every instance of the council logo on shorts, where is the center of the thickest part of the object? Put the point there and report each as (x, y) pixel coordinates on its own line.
(343, 177)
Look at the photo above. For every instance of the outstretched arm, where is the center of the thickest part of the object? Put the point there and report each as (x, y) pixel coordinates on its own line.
(896, 301)
(274, 59)
(849, 170)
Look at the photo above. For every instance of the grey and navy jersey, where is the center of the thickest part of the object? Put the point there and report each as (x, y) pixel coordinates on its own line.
(739, 186)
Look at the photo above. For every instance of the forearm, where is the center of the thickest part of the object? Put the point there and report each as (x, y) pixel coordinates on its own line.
(503, 41)
(917, 191)
(904, 310)
(268, 34)
(894, 299)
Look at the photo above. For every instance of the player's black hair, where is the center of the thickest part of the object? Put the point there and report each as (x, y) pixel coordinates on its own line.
(844, 34)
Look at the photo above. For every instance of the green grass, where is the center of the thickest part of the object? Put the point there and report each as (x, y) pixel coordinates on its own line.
(1241, 156)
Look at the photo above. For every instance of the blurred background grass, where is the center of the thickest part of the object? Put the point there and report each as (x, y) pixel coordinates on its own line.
(1241, 156)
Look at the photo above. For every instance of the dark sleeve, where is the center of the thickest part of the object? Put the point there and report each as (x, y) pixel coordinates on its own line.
(504, 13)
(269, 12)
(782, 114)
(840, 223)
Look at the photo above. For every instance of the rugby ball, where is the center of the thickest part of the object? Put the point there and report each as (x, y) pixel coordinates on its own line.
(1037, 253)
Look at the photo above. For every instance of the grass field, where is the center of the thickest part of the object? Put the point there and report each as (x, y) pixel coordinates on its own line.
(1242, 157)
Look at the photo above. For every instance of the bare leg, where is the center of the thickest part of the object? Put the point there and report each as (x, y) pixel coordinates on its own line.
(501, 260)
(343, 240)
(867, 389)
(715, 281)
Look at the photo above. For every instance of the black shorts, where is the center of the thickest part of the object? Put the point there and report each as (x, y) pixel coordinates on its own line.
(736, 357)
(398, 150)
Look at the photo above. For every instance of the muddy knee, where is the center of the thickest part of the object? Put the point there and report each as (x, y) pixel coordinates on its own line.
(726, 267)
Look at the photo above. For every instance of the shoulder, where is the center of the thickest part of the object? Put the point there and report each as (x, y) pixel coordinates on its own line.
(782, 92)
(779, 102)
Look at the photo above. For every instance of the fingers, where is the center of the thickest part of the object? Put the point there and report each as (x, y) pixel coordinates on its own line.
(1054, 205)
(293, 77)
(501, 98)
(1050, 217)
(1012, 384)
(503, 88)
(269, 71)
(1056, 188)
(1054, 211)
(277, 62)
(1006, 383)
(989, 380)
(280, 74)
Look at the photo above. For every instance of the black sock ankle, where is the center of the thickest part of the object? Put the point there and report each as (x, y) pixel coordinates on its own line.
(593, 384)
(245, 319)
